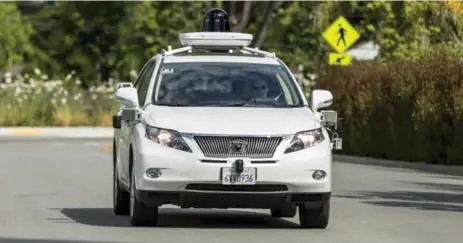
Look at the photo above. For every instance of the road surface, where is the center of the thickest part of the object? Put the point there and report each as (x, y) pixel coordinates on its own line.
(61, 190)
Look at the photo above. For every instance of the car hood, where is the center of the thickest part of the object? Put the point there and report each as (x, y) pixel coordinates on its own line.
(232, 120)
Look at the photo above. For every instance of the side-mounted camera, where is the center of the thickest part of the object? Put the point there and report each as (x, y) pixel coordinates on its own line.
(334, 124)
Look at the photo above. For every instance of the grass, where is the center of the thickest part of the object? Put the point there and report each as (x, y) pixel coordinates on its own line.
(35, 100)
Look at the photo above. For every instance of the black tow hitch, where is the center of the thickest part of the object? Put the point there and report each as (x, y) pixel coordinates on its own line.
(239, 164)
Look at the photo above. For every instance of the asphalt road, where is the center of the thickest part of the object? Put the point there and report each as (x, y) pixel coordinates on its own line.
(61, 190)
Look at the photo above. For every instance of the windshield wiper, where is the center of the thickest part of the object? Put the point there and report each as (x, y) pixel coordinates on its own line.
(239, 104)
(251, 104)
(171, 104)
(232, 104)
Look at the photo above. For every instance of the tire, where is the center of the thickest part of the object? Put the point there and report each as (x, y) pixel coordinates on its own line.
(286, 212)
(140, 214)
(121, 198)
(314, 218)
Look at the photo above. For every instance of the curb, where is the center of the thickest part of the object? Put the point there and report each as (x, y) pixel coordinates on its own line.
(55, 132)
(107, 147)
(454, 170)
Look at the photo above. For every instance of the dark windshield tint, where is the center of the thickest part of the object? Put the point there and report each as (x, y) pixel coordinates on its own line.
(225, 84)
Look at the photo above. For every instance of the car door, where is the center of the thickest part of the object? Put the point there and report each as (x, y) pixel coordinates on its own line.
(142, 90)
(124, 138)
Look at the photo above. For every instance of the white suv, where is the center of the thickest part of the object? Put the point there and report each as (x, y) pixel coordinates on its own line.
(216, 124)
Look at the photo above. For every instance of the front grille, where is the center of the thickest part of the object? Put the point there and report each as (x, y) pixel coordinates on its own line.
(254, 147)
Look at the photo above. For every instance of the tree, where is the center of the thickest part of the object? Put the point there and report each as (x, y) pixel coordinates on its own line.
(399, 27)
(152, 26)
(99, 41)
(81, 36)
(14, 37)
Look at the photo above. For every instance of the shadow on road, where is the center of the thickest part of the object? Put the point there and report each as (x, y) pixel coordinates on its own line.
(447, 177)
(425, 169)
(176, 217)
(23, 240)
(440, 197)
(456, 188)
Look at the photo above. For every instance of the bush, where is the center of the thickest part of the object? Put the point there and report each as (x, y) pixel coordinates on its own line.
(406, 109)
(34, 100)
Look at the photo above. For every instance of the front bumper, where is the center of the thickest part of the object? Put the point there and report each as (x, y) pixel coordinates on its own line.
(207, 199)
(194, 181)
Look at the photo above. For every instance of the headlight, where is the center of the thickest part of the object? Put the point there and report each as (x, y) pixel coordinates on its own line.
(168, 138)
(305, 139)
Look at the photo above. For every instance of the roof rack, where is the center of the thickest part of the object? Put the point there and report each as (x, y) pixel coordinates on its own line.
(225, 41)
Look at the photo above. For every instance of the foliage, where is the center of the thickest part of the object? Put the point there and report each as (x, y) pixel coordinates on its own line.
(296, 37)
(112, 39)
(408, 108)
(14, 39)
(80, 36)
(153, 26)
(35, 100)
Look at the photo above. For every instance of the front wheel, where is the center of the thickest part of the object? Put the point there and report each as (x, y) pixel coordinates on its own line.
(121, 198)
(289, 211)
(140, 214)
(316, 218)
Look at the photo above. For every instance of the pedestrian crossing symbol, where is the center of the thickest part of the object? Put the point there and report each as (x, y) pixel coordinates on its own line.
(339, 59)
(341, 35)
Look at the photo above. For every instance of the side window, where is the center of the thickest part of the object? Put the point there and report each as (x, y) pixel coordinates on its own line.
(137, 82)
(145, 79)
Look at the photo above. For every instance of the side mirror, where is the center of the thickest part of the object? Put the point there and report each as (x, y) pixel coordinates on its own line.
(320, 99)
(127, 96)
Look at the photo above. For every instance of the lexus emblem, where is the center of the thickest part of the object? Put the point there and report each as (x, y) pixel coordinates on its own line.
(238, 146)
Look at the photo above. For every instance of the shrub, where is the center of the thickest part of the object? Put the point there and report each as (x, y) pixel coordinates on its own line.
(408, 108)
(34, 100)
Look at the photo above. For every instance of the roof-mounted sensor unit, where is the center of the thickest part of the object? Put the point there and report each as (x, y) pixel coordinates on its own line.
(216, 20)
(216, 40)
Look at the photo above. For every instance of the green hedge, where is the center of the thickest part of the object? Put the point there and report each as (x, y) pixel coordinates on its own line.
(406, 108)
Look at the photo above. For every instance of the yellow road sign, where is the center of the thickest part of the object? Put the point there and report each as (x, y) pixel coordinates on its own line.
(341, 35)
(340, 59)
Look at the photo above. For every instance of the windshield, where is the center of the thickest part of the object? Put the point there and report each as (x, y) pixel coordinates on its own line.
(225, 84)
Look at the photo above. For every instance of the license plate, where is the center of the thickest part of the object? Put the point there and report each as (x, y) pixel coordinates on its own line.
(247, 177)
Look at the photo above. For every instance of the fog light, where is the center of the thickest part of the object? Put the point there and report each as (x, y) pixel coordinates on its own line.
(153, 172)
(319, 175)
